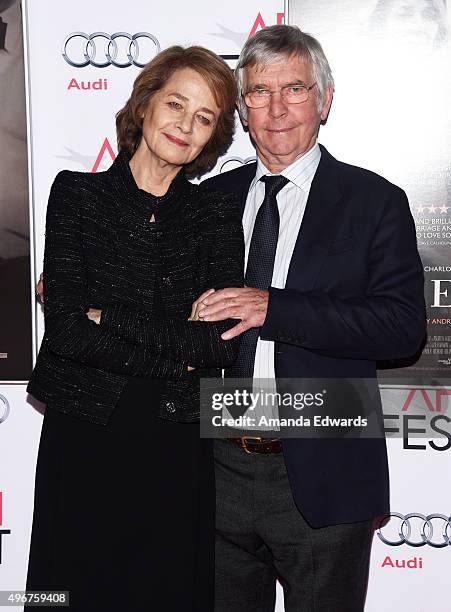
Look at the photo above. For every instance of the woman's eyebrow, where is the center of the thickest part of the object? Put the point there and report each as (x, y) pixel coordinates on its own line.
(204, 109)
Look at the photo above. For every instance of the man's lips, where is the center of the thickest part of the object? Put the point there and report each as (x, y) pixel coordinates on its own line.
(177, 141)
(279, 130)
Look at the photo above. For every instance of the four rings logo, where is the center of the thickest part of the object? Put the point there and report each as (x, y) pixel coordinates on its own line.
(4, 408)
(101, 49)
(230, 163)
(415, 530)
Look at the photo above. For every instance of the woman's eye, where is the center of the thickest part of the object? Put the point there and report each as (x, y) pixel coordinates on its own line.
(175, 105)
(203, 120)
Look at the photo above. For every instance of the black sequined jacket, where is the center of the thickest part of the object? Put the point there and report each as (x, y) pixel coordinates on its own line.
(102, 251)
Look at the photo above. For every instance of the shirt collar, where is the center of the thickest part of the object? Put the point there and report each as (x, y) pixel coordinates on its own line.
(300, 172)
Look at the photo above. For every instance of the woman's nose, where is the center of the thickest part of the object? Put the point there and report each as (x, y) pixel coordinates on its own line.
(185, 123)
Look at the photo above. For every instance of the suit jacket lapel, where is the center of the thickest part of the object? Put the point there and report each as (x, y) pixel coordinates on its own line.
(242, 189)
(318, 225)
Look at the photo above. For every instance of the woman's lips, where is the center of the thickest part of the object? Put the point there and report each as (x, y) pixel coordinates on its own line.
(177, 141)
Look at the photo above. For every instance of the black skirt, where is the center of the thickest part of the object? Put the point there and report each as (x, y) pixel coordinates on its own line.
(124, 513)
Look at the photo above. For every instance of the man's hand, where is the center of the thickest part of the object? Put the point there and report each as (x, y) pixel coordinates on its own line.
(248, 304)
(40, 289)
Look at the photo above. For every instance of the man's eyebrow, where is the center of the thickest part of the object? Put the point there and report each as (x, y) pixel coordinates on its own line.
(266, 86)
(204, 109)
(296, 82)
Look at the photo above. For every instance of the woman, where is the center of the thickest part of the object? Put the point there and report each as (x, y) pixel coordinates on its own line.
(124, 493)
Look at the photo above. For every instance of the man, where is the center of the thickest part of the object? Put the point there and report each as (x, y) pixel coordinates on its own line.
(334, 284)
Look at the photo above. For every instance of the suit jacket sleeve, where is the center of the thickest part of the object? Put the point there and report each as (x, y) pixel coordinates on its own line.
(68, 330)
(195, 343)
(387, 322)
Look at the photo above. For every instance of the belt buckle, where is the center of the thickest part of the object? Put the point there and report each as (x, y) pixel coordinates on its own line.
(244, 440)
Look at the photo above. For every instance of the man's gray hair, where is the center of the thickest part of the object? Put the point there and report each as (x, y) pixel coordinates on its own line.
(281, 41)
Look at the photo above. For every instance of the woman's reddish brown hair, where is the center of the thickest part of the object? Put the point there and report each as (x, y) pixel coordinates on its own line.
(218, 77)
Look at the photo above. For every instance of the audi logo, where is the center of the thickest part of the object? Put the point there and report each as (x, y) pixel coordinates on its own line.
(87, 49)
(230, 163)
(4, 408)
(416, 530)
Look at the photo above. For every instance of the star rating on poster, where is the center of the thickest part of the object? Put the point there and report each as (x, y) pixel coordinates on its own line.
(432, 209)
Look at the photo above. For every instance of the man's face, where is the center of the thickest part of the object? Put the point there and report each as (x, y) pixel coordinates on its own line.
(284, 132)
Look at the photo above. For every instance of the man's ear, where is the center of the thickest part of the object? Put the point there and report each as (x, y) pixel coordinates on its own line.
(328, 95)
(238, 107)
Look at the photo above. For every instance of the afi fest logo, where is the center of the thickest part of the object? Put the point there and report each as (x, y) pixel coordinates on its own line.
(2, 531)
(92, 163)
(239, 38)
(423, 413)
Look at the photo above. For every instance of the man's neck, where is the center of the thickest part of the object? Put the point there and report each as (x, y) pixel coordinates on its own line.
(277, 165)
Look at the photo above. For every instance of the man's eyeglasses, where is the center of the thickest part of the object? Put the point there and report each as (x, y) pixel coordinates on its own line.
(290, 94)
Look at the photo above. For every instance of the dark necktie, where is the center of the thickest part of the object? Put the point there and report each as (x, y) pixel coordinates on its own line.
(260, 267)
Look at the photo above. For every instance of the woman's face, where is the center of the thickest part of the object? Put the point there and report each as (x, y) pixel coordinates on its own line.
(180, 118)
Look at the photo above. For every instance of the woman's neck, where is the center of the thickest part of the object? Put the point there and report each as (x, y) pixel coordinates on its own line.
(151, 173)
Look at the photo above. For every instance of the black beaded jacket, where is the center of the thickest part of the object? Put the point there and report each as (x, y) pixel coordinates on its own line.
(97, 229)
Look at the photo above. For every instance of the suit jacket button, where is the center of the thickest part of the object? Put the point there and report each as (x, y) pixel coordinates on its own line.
(170, 406)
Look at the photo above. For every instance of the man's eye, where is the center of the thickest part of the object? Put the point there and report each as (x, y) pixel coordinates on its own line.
(261, 92)
(295, 89)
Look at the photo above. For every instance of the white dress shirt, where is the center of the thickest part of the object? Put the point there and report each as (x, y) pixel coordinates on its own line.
(291, 201)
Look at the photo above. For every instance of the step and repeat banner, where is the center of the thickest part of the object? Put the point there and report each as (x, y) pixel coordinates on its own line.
(389, 114)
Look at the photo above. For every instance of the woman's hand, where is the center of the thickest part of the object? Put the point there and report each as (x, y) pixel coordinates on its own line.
(198, 304)
(94, 314)
(194, 311)
(40, 289)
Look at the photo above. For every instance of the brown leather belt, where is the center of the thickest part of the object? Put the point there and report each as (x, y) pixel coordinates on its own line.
(257, 445)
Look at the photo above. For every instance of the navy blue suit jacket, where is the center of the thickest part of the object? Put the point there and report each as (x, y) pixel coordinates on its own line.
(353, 296)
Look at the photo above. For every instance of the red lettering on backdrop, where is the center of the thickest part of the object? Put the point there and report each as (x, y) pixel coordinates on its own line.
(73, 83)
(105, 147)
(413, 563)
(439, 394)
(259, 23)
(428, 400)
(411, 395)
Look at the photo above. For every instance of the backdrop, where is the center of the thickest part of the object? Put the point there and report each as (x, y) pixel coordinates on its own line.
(389, 114)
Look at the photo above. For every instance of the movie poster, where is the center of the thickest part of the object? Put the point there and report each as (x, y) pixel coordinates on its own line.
(391, 114)
(15, 301)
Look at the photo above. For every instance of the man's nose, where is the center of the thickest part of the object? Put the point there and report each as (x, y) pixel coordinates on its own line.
(277, 105)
